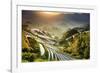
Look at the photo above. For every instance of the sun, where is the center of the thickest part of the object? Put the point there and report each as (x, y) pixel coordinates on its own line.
(49, 14)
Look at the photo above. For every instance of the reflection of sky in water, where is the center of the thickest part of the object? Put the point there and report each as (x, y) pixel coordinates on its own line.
(57, 24)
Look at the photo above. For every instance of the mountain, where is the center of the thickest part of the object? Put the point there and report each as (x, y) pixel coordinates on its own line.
(40, 46)
(76, 42)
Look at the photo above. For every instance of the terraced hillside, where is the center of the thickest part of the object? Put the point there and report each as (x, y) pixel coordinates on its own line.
(40, 46)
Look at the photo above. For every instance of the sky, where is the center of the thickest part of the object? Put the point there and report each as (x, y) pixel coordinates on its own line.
(56, 23)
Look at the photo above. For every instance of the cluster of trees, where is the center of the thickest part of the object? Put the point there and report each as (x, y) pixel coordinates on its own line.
(76, 43)
(30, 50)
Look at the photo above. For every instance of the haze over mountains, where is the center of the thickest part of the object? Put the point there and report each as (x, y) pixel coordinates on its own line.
(55, 24)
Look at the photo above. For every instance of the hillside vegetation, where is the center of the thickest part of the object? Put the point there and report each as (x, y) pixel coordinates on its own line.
(40, 46)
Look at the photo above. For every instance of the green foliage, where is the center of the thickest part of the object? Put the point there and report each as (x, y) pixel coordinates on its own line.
(79, 46)
(75, 44)
(27, 57)
(40, 60)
